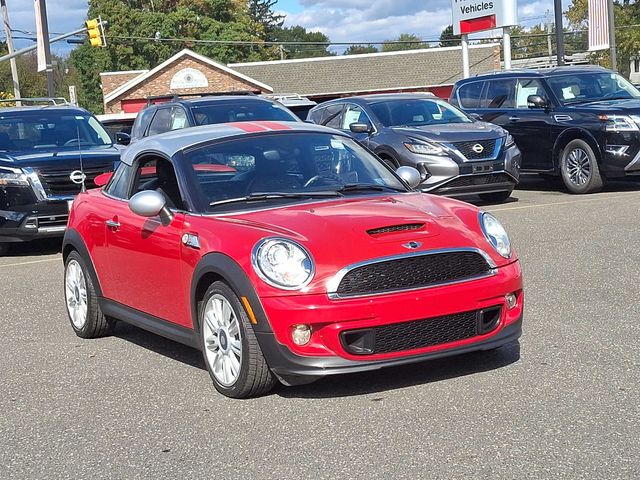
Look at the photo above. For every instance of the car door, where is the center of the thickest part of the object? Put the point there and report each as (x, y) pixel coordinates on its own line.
(145, 255)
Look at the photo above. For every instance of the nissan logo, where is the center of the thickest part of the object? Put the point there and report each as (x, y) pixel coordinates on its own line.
(77, 177)
(477, 148)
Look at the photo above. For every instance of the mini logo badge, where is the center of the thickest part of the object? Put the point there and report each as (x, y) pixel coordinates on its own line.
(412, 245)
(77, 177)
(477, 148)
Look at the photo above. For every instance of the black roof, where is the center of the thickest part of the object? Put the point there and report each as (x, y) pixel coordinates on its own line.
(539, 73)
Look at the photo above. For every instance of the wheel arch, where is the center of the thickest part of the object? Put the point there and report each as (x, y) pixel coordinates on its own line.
(73, 242)
(574, 134)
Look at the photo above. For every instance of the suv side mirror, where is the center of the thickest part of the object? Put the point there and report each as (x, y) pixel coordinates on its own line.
(410, 175)
(536, 101)
(150, 203)
(123, 138)
(360, 128)
(475, 116)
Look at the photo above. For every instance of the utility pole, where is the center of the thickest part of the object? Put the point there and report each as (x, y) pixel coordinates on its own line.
(612, 35)
(42, 28)
(7, 31)
(281, 49)
(549, 32)
(464, 41)
(506, 45)
(557, 7)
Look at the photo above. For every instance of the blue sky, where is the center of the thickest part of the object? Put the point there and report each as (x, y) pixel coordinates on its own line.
(342, 20)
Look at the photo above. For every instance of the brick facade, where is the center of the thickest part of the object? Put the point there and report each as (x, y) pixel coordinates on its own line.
(112, 80)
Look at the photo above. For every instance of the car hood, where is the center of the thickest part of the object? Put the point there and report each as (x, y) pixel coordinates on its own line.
(629, 106)
(61, 159)
(342, 232)
(453, 132)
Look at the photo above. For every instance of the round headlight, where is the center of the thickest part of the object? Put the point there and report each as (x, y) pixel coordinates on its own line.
(282, 263)
(495, 234)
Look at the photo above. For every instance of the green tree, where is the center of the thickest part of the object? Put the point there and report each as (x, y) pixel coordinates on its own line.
(448, 39)
(266, 21)
(413, 42)
(359, 49)
(300, 34)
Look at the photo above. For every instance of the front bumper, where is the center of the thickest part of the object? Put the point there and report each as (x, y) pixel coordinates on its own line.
(39, 220)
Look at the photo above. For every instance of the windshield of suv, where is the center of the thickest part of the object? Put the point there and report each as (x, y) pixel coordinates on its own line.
(286, 167)
(416, 112)
(591, 87)
(41, 130)
(241, 111)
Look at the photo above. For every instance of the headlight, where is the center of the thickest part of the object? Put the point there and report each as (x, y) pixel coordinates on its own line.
(620, 123)
(425, 148)
(495, 234)
(282, 263)
(509, 141)
(14, 177)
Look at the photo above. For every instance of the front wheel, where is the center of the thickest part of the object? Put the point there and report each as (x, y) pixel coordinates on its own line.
(495, 196)
(579, 168)
(230, 348)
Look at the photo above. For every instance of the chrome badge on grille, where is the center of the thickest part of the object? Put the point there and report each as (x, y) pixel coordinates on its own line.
(412, 245)
(477, 148)
(77, 177)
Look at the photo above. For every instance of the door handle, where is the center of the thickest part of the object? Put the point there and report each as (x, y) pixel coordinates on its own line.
(112, 224)
(514, 119)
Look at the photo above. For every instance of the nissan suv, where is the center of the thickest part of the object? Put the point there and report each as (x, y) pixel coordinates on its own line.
(455, 154)
(47, 152)
(579, 123)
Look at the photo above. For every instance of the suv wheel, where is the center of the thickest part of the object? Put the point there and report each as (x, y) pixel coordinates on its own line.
(230, 348)
(86, 318)
(495, 196)
(579, 168)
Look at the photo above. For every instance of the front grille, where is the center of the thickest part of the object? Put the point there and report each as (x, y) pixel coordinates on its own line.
(45, 221)
(423, 333)
(395, 228)
(466, 148)
(474, 180)
(57, 182)
(412, 272)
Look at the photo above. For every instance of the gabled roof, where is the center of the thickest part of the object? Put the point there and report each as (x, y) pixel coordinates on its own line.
(122, 89)
(370, 72)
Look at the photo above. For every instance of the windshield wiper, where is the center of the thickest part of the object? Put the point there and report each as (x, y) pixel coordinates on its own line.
(358, 187)
(274, 196)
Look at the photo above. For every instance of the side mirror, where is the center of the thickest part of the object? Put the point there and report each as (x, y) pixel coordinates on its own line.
(360, 128)
(123, 138)
(102, 179)
(536, 101)
(150, 203)
(475, 116)
(410, 175)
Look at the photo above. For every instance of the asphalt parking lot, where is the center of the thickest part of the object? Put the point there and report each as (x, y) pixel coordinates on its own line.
(564, 403)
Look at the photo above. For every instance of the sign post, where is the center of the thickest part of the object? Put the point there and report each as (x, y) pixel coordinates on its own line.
(470, 16)
(42, 37)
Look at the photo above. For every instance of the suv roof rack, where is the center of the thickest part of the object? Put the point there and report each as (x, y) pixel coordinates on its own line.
(178, 96)
(49, 101)
(496, 72)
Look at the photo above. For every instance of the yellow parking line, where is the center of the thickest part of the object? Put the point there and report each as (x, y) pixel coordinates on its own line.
(29, 263)
(584, 200)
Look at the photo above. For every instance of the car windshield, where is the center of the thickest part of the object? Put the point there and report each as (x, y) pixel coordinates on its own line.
(591, 87)
(241, 111)
(45, 130)
(285, 167)
(417, 112)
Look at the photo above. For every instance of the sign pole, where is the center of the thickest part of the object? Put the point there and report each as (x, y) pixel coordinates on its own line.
(557, 6)
(44, 51)
(612, 36)
(464, 40)
(506, 45)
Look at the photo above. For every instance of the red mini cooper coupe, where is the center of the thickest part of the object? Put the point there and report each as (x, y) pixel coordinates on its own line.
(286, 251)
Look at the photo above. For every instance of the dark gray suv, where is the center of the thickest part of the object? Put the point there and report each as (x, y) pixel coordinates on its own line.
(455, 154)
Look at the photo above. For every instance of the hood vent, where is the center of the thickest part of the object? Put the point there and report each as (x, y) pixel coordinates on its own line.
(407, 227)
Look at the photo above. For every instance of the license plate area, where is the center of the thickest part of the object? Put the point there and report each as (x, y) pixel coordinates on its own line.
(480, 168)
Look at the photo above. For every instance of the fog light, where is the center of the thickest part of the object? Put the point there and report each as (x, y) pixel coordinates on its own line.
(301, 334)
(31, 223)
(511, 299)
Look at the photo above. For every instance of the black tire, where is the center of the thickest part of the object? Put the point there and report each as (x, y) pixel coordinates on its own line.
(95, 324)
(495, 196)
(254, 377)
(4, 248)
(390, 162)
(579, 168)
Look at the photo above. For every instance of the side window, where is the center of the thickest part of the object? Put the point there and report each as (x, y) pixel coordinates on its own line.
(470, 94)
(500, 94)
(161, 122)
(332, 117)
(158, 174)
(141, 122)
(354, 114)
(178, 118)
(316, 116)
(526, 87)
(118, 186)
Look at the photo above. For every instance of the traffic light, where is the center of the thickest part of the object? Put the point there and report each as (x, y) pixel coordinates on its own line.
(95, 32)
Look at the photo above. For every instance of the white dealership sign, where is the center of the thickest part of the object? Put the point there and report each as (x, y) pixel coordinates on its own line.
(471, 16)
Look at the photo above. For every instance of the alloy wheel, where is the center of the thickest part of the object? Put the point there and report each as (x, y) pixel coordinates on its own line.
(76, 294)
(578, 167)
(222, 340)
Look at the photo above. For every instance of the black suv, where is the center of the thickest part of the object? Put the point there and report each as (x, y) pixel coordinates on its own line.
(455, 154)
(582, 123)
(46, 151)
(181, 112)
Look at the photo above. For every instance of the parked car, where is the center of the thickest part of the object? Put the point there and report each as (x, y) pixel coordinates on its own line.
(286, 251)
(47, 151)
(183, 112)
(455, 154)
(296, 103)
(579, 123)
(115, 123)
